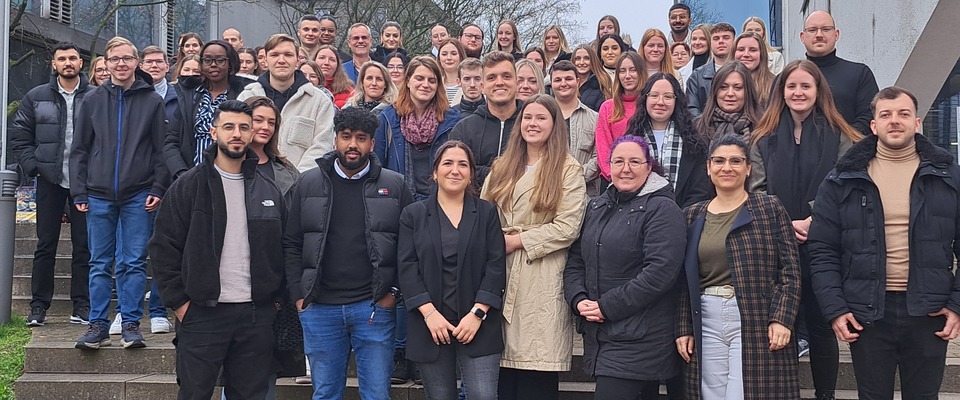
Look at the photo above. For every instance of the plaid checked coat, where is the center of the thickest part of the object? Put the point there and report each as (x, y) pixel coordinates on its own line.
(765, 274)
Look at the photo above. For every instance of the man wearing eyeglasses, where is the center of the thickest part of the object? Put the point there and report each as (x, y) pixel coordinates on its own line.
(853, 84)
(471, 37)
(359, 40)
(217, 257)
(117, 177)
(188, 135)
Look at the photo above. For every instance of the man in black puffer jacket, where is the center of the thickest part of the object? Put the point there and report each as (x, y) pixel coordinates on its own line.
(41, 136)
(885, 232)
(340, 249)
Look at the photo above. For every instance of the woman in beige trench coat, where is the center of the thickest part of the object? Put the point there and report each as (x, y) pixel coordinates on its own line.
(539, 190)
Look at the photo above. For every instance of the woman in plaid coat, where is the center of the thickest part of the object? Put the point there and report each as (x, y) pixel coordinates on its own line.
(742, 288)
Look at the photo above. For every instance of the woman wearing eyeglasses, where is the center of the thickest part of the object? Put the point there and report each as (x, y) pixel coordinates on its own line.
(188, 133)
(796, 143)
(621, 273)
(742, 288)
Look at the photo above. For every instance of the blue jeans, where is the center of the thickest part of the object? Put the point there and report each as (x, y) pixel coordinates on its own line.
(440, 377)
(331, 331)
(157, 309)
(103, 225)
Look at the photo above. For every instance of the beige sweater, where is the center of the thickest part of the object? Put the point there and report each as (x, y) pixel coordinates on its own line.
(892, 171)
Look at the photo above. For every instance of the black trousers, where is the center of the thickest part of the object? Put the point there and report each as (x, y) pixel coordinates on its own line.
(521, 384)
(899, 341)
(237, 337)
(610, 388)
(824, 351)
(51, 202)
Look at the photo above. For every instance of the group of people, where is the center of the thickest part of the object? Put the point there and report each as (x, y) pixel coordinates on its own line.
(697, 216)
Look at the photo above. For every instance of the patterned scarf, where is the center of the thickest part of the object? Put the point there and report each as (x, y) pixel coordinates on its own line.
(204, 120)
(667, 153)
(419, 131)
(725, 122)
(367, 105)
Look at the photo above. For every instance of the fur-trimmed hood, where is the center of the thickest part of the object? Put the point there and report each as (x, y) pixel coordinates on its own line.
(859, 156)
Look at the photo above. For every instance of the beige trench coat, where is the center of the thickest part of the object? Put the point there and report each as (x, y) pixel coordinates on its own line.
(538, 324)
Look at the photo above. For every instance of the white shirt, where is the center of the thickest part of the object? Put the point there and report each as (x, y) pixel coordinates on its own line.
(68, 133)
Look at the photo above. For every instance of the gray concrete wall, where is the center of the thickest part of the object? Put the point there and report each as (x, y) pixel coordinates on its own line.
(911, 43)
(255, 20)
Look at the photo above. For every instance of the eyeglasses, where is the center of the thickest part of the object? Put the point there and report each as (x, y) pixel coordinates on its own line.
(359, 38)
(395, 67)
(633, 163)
(734, 161)
(152, 62)
(100, 71)
(825, 29)
(666, 97)
(125, 59)
(228, 127)
(472, 36)
(209, 61)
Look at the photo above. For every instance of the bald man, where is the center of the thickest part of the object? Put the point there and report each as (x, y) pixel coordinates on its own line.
(232, 36)
(853, 84)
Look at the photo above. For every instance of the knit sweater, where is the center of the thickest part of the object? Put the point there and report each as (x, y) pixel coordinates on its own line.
(892, 171)
(853, 86)
(608, 131)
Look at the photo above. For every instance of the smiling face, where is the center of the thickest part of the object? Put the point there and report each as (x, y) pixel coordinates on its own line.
(565, 85)
(192, 47)
(551, 41)
(438, 34)
(155, 65)
(609, 52)
(661, 101)
(606, 27)
(282, 60)
(895, 122)
(122, 62)
(628, 75)
(800, 92)
(527, 83)
(730, 97)
(189, 68)
(505, 37)
(581, 60)
(500, 83)
(309, 32)
(536, 125)
(396, 70)
(216, 65)
(422, 85)
(728, 168)
(629, 167)
(449, 57)
(680, 56)
(699, 42)
(264, 125)
(374, 84)
(327, 60)
(453, 172)
(262, 59)
(820, 34)
(653, 51)
(679, 20)
(328, 32)
(310, 74)
(748, 52)
(68, 63)
(101, 72)
(359, 41)
(390, 38)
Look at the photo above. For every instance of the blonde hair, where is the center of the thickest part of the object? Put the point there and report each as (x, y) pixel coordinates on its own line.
(510, 167)
(762, 77)
(389, 89)
(764, 40)
(537, 71)
(564, 46)
(118, 41)
(596, 68)
(516, 36)
(666, 63)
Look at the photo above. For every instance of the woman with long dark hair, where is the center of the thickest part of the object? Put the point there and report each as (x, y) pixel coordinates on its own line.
(538, 188)
(732, 105)
(609, 49)
(452, 270)
(335, 79)
(666, 125)
(796, 144)
(621, 273)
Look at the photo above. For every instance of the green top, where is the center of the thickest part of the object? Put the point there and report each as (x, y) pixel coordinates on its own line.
(712, 252)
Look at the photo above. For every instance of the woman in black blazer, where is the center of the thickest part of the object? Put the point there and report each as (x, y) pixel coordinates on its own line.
(452, 274)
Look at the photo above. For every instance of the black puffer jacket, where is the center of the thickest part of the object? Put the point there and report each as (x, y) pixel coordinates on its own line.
(37, 134)
(846, 240)
(486, 135)
(180, 142)
(304, 238)
(591, 94)
(118, 142)
(628, 258)
(189, 230)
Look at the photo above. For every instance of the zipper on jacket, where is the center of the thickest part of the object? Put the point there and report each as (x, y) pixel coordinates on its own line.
(500, 144)
(116, 165)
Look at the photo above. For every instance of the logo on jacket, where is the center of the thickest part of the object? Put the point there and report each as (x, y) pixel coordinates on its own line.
(383, 192)
(267, 203)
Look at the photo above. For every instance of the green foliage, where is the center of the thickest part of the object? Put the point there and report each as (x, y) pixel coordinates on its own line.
(13, 338)
(12, 108)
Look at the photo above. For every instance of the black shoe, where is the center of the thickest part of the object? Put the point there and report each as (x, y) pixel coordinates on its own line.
(97, 336)
(131, 337)
(37, 317)
(414, 371)
(400, 373)
(81, 315)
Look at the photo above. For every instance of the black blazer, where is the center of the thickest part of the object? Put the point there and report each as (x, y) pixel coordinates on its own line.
(481, 277)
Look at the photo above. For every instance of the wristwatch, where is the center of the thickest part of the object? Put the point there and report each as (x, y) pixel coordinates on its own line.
(479, 313)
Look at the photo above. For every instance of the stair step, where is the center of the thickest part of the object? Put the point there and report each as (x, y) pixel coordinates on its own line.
(27, 246)
(60, 307)
(23, 264)
(61, 285)
(29, 230)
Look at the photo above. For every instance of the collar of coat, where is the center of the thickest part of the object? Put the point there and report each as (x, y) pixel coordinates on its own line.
(859, 156)
(326, 163)
(249, 166)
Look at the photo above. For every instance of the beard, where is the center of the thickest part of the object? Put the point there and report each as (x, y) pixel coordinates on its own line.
(225, 150)
(352, 165)
(69, 75)
(679, 30)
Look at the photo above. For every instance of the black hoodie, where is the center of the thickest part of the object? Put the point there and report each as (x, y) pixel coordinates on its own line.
(486, 135)
(118, 142)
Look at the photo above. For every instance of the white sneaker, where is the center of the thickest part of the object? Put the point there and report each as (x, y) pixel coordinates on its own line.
(159, 325)
(116, 327)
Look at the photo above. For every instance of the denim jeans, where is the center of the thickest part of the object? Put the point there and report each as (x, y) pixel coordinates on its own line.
(103, 223)
(331, 331)
(156, 307)
(899, 341)
(721, 360)
(440, 377)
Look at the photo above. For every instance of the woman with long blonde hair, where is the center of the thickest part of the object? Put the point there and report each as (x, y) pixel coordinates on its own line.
(747, 49)
(595, 85)
(554, 45)
(775, 58)
(374, 91)
(539, 190)
(656, 57)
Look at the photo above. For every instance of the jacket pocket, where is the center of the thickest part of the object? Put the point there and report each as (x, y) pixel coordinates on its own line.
(299, 131)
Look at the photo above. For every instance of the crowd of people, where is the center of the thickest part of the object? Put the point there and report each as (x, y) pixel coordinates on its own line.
(700, 209)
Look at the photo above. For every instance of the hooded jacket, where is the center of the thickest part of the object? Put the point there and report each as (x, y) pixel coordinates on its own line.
(180, 143)
(118, 142)
(486, 135)
(38, 134)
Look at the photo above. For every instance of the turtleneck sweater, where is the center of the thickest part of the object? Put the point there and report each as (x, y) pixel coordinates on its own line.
(892, 171)
(608, 131)
(853, 86)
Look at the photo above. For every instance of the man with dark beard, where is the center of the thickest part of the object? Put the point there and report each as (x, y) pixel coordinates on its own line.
(340, 249)
(679, 15)
(217, 258)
